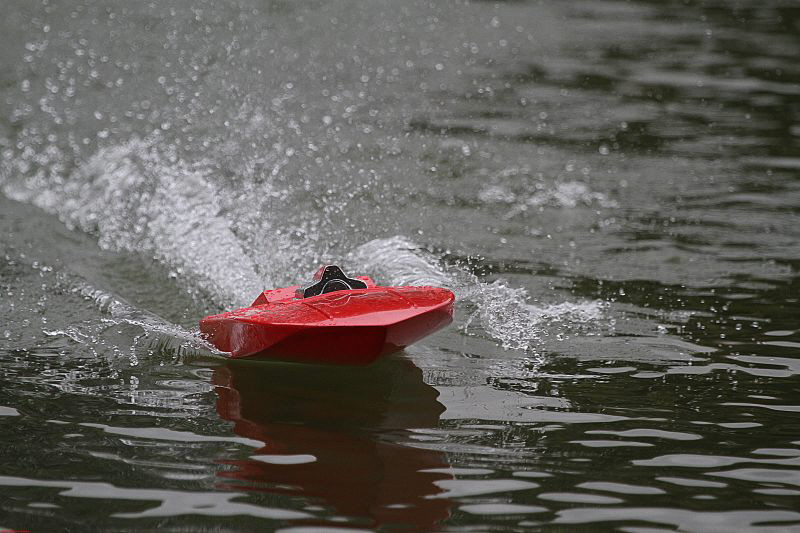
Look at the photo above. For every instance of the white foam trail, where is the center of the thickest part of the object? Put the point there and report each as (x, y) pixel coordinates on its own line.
(121, 312)
(505, 314)
(139, 196)
(399, 261)
(501, 311)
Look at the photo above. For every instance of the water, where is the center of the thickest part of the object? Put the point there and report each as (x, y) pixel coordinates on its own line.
(611, 189)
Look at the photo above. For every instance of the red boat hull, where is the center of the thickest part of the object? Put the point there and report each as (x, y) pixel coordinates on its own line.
(344, 327)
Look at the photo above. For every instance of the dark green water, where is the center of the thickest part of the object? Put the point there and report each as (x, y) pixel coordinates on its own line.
(611, 188)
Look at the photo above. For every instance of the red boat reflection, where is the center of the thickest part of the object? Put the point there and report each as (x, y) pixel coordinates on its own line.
(334, 435)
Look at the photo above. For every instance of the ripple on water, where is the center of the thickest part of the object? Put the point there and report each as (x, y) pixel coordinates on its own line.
(781, 452)
(460, 471)
(684, 520)
(578, 497)
(785, 408)
(613, 370)
(708, 369)
(763, 475)
(296, 459)
(532, 474)
(729, 425)
(170, 502)
(689, 482)
(791, 364)
(501, 509)
(611, 443)
(642, 432)
(621, 488)
(459, 488)
(171, 435)
(778, 492)
(311, 529)
(620, 348)
(488, 403)
(780, 332)
(689, 460)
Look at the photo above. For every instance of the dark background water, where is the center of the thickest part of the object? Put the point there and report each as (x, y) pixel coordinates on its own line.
(610, 187)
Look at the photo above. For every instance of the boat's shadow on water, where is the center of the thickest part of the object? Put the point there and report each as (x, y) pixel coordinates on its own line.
(333, 436)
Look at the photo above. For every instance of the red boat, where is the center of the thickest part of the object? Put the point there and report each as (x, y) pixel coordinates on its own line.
(334, 319)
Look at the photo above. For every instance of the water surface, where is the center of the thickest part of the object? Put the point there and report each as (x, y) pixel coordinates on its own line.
(611, 188)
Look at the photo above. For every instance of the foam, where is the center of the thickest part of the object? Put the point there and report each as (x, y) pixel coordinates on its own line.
(499, 310)
(158, 331)
(566, 194)
(140, 197)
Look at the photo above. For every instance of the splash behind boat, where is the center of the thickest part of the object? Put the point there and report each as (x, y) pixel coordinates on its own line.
(333, 319)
